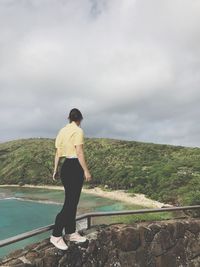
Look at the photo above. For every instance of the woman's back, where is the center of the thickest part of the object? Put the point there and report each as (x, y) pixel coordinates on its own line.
(69, 136)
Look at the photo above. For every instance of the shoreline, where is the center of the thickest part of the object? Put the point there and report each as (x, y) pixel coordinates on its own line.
(120, 195)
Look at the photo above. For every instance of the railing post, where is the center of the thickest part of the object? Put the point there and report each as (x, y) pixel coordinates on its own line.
(88, 222)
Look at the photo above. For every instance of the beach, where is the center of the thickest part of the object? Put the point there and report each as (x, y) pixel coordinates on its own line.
(120, 195)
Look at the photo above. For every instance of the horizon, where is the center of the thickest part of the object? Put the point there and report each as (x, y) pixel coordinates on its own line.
(109, 138)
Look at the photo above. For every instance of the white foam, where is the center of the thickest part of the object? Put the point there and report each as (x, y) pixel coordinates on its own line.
(32, 200)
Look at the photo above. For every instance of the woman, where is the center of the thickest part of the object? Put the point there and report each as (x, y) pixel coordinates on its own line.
(69, 144)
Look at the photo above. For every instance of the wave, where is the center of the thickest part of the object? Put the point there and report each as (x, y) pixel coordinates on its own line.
(6, 198)
(32, 200)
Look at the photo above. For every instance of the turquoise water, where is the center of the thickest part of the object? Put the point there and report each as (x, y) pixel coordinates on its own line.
(24, 209)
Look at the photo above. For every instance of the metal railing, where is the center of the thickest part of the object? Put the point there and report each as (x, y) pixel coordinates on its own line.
(88, 216)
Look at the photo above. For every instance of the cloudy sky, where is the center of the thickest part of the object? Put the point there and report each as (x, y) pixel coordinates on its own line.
(132, 67)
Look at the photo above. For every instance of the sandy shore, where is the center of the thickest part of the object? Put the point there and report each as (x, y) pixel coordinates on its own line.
(121, 195)
(137, 199)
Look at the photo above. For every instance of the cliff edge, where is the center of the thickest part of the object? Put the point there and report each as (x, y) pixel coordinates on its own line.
(144, 244)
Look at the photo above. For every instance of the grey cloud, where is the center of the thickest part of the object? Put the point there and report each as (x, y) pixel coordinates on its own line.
(132, 67)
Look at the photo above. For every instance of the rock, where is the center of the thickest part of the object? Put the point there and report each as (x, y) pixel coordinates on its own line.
(193, 227)
(92, 247)
(166, 260)
(127, 258)
(193, 247)
(128, 239)
(16, 253)
(179, 230)
(155, 227)
(161, 242)
(31, 255)
(113, 259)
(42, 244)
(178, 251)
(146, 235)
(14, 262)
(195, 262)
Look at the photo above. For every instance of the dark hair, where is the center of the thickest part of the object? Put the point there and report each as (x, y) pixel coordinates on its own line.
(75, 115)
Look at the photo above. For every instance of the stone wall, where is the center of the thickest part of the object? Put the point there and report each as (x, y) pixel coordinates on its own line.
(167, 243)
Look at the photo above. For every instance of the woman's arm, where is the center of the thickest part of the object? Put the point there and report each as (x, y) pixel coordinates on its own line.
(56, 161)
(81, 158)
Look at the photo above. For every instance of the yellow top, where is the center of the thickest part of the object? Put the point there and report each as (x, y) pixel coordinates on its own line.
(66, 139)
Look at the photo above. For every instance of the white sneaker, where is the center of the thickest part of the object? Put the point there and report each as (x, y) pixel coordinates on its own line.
(58, 242)
(76, 237)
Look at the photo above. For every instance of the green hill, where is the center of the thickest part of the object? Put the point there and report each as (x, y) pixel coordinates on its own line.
(163, 172)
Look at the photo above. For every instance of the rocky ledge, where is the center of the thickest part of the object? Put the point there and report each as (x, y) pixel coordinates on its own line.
(146, 244)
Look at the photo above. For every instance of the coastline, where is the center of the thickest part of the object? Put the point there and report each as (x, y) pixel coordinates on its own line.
(120, 195)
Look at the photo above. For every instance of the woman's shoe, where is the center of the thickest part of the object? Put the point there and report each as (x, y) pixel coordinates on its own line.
(76, 237)
(58, 242)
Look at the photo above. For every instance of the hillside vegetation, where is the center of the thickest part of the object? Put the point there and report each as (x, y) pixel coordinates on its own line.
(163, 172)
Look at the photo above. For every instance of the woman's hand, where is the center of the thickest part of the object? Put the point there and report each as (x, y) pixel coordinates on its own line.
(56, 162)
(87, 175)
(54, 175)
(81, 158)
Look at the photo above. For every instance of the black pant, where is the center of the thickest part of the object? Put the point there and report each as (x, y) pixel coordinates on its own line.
(72, 177)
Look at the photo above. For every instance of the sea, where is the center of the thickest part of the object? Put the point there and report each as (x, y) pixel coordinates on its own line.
(23, 209)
